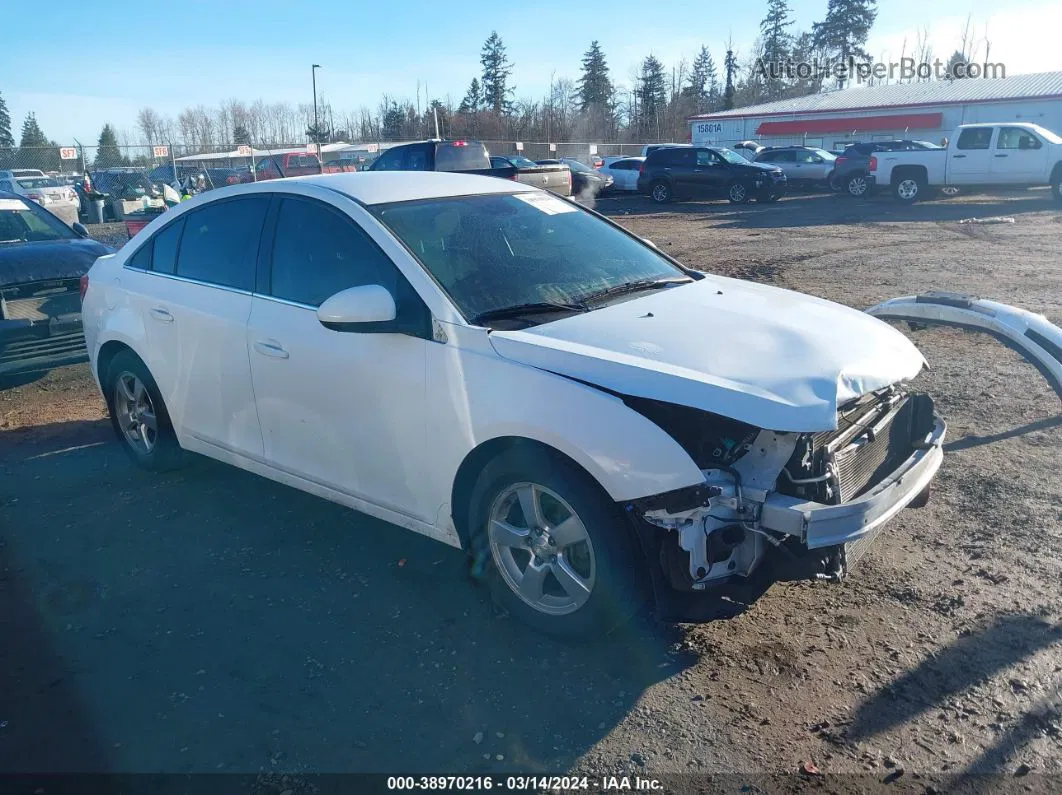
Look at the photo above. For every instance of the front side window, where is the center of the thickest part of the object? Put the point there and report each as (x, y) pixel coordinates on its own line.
(975, 138)
(1017, 138)
(317, 252)
(390, 160)
(220, 242)
(707, 158)
(493, 252)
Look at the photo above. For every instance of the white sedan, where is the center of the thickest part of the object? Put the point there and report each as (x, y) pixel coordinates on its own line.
(59, 199)
(624, 171)
(509, 373)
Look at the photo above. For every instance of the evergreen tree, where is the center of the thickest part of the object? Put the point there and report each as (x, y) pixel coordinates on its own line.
(473, 99)
(843, 34)
(496, 72)
(392, 122)
(32, 135)
(703, 85)
(7, 141)
(241, 135)
(956, 59)
(318, 134)
(777, 47)
(652, 93)
(108, 155)
(731, 67)
(595, 87)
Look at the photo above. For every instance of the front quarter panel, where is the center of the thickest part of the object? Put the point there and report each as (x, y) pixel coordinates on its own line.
(477, 396)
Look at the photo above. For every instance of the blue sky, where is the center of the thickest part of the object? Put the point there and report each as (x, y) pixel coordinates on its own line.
(188, 52)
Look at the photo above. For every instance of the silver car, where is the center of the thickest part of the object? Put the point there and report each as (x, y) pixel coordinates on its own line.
(803, 165)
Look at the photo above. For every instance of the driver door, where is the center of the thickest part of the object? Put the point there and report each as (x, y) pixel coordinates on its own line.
(342, 409)
(1020, 158)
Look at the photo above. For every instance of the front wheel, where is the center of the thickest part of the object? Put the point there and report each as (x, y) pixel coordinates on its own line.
(660, 192)
(556, 551)
(908, 189)
(857, 186)
(1056, 185)
(737, 193)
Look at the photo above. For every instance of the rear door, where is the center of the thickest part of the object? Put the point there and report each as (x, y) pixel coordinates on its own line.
(970, 161)
(1019, 158)
(195, 310)
(782, 158)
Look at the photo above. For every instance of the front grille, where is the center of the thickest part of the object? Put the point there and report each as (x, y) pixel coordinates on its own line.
(874, 435)
(875, 453)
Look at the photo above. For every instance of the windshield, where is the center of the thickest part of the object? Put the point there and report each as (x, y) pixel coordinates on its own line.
(503, 250)
(522, 162)
(824, 154)
(38, 182)
(730, 156)
(24, 222)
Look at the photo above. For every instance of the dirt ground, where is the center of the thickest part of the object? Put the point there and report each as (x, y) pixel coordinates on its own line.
(209, 620)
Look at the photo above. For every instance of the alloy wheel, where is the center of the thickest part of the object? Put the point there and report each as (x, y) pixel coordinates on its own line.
(135, 413)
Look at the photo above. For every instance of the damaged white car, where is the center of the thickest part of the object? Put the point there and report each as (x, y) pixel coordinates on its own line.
(507, 372)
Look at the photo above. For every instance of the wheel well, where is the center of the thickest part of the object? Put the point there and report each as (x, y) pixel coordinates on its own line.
(106, 356)
(1056, 172)
(476, 460)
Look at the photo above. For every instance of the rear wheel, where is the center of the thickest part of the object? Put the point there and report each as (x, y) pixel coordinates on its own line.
(908, 188)
(857, 186)
(660, 191)
(737, 193)
(555, 550)
(1056, 184)
(139, 416)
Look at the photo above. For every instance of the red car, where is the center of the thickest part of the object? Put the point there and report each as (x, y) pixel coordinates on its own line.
(294, 164)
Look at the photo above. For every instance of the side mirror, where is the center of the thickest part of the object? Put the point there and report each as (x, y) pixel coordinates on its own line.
(361, 308)
(79, 230)
(650, 242)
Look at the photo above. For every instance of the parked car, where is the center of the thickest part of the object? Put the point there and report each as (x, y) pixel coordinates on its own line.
(472, 157)
(292, 164)
(1014, 154)
(125, 191)
(48, 192)
(585, 180)
(851, 169)
(678, 172)
(42, 260)
(748, 149)
(624, 172)
(807, 166)
(514, 375)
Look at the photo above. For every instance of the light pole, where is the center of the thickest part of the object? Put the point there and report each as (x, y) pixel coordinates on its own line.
(316, 136)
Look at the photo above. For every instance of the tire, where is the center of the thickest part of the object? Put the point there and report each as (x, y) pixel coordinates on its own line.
(1056, 184)
(597, 558)
(134, 403)
(856, 186)
(737, 192)
(908, 189)
(660, 192)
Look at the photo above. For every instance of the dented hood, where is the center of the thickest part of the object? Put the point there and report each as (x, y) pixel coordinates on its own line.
(766, 356)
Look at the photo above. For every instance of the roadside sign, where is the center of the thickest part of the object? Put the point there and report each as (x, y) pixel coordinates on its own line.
(593, 149)
(553, 147)
(67, 153)
(519, 146)
(243, 150)
(372, 148)
(160, 151)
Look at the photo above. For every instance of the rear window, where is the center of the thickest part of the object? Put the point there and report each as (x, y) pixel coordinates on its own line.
(461, 156)
(220, 242)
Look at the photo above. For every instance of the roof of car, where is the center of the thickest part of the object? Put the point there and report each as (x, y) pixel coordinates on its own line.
(382, 187)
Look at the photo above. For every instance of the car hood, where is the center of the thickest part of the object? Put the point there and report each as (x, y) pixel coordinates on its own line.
(21, 263)
(766, 356)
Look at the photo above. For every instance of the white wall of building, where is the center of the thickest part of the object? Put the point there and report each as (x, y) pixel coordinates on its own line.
(729, 131)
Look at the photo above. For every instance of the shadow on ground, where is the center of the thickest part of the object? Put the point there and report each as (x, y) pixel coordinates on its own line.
(209, 619)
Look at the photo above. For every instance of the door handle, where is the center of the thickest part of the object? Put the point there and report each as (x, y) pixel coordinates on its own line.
(161, 314)
(958, 156)
(270, 349)
(1000, 155)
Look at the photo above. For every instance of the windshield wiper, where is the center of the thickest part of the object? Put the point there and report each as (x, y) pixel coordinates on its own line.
(534, 308)
(632, 287)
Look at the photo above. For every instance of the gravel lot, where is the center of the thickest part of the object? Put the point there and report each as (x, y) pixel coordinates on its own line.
(209, 620)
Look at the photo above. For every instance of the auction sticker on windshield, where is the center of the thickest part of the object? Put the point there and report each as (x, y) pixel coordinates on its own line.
(12, 204)
(546, 202)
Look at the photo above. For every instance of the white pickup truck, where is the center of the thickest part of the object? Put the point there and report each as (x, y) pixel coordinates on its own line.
(1014, 154)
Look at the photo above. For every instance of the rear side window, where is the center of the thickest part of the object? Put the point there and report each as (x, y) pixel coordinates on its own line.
(141, 260)
(673, 157)
(164, 259)
(317, 252)
(220, 242)
(461, 156)
(975, 138)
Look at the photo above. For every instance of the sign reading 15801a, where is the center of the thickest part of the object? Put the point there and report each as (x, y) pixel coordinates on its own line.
(709, 127)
